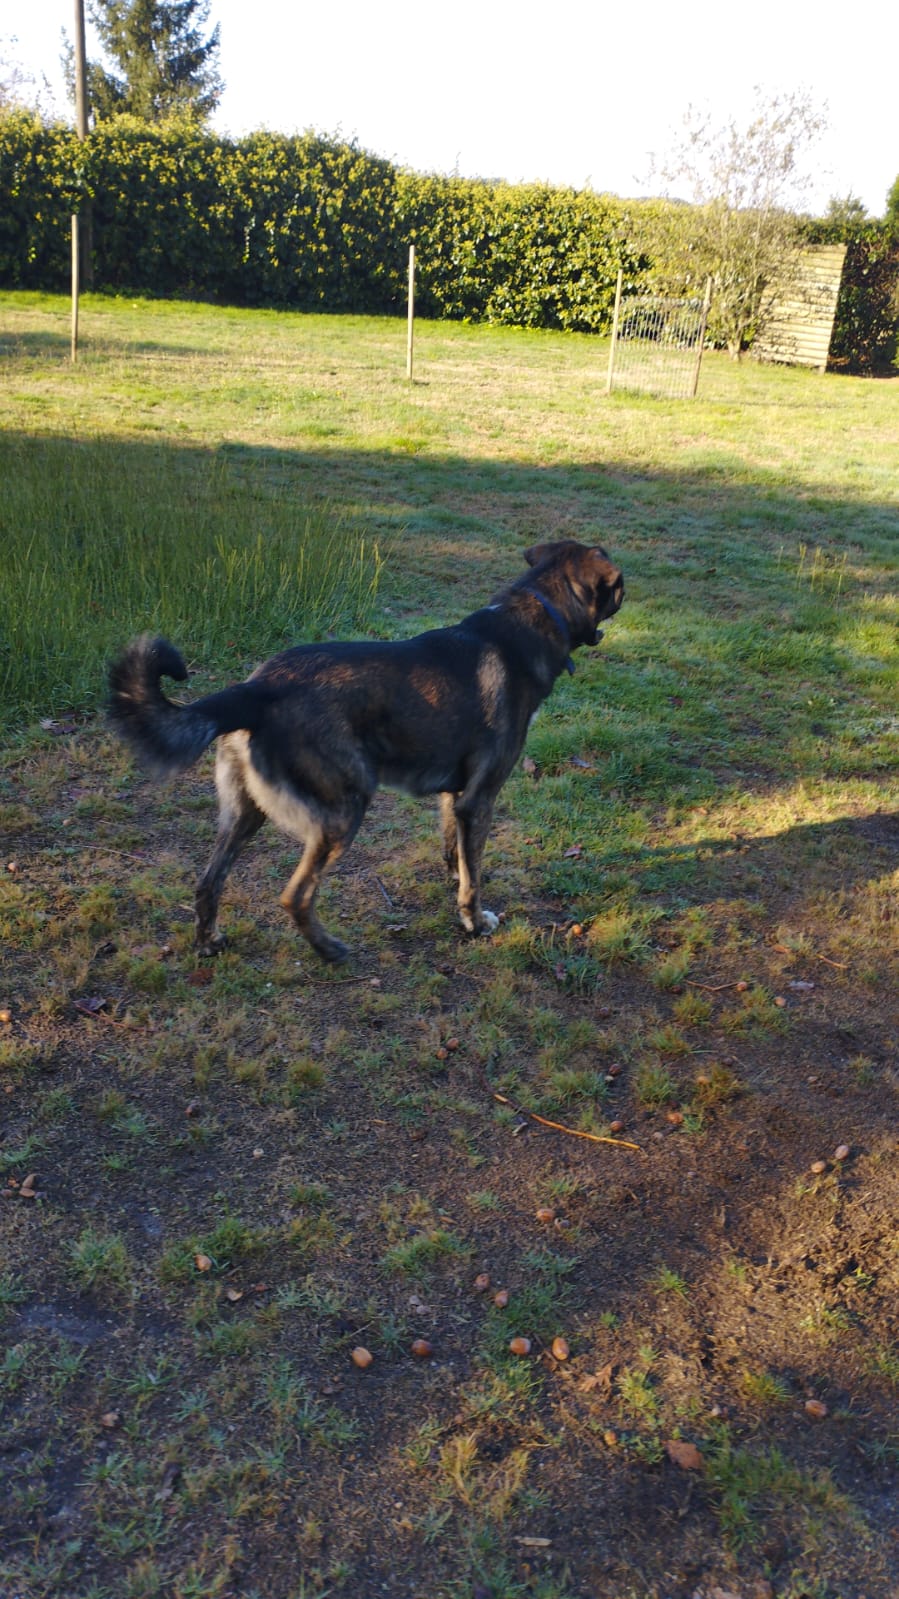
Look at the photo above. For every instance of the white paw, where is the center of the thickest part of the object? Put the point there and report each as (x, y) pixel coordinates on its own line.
(489, 922)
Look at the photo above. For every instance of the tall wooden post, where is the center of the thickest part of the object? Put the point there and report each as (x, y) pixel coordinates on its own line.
(410, 326)
(614, 331)
(700, 341)
(81, 130)
(75, 288)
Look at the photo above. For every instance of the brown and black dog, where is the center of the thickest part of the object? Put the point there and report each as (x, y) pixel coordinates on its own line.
(308, 739)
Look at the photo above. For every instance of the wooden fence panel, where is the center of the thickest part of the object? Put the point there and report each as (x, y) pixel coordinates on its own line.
(799, 328)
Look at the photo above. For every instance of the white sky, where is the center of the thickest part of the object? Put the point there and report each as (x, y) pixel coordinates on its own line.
(570, 96)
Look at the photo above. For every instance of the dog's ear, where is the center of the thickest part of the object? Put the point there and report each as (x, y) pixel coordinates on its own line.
(603, 567)
(541, 552)
(535, 553)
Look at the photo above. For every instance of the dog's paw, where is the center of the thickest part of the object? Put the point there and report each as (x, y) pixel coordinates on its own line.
(212, 945)
(486, 922)
(331, 949)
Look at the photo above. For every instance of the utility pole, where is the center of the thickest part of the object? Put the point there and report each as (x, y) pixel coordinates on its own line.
(80, 72)
(78, 230)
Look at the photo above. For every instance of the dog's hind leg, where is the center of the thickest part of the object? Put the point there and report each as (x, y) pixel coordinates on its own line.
(239, 818)
(324, 845)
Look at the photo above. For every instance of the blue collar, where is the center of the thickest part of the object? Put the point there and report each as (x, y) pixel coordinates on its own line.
(557, 617)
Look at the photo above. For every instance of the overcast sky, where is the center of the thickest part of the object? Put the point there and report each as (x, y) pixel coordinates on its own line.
(569, 94)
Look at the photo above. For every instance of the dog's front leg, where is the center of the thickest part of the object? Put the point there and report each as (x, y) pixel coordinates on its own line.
(449, 828)
(473, 818)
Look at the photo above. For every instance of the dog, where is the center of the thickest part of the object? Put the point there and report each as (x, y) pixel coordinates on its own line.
(308, 738)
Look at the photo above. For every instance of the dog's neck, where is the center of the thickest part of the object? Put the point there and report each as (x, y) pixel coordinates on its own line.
(559, 620)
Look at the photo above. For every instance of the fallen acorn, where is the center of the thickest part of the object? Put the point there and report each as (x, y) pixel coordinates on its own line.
(815, 1409)
(841, 1152)
(545, 1213)
(422, 1349)
(560, 1348)
(202, 1262)
(617, 1126)
(501, 1298)
(520, 1346)
(818, 1166)
(482, 1282)
(361, 1357)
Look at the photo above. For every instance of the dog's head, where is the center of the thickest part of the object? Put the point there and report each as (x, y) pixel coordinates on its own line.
(581, 581)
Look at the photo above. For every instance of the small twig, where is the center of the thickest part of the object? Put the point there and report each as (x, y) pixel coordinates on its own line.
(387, 898)
(338, 982)
(711, 988)
(783, 949)
(143, 860)
(103, 1016)
(558, 1127)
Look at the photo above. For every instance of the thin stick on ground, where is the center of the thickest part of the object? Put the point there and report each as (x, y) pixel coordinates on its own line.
(559, 1127)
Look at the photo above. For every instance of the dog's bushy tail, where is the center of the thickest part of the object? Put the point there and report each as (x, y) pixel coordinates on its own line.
(169, 737)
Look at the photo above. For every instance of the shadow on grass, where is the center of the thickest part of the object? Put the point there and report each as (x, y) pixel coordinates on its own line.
(732, 638)
(35, 344)
(829, 856)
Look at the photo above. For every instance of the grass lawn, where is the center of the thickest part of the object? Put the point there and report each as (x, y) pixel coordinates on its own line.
(221, 1179)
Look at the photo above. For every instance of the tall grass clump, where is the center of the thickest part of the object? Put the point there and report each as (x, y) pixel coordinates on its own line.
(102, 541)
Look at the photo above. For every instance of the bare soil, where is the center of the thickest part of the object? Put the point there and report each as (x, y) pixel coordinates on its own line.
(296, 1162)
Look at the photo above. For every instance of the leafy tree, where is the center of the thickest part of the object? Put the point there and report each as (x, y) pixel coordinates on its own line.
(741, 226)
(892, 215)
(19, 89)
(162, 65)
(847, 214)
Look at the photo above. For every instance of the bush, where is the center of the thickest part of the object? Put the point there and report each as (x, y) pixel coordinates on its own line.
(303, 222)
(312, 223)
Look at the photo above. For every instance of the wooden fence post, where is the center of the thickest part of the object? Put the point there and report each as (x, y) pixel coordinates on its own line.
(411, 315)
(700, 341)
(614, 332)
(75, 287)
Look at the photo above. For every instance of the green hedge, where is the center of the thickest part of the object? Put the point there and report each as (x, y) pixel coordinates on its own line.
(526, 254)
(308, 222)
(301, 222)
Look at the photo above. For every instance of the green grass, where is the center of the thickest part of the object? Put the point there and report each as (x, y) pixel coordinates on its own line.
(697, 870)
(110, 540)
